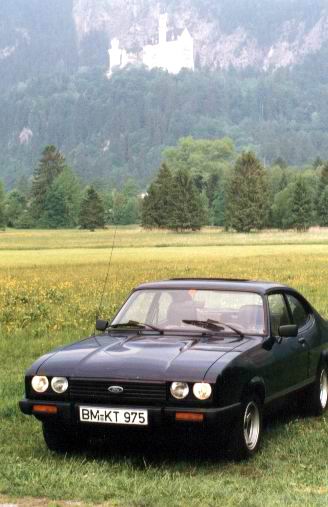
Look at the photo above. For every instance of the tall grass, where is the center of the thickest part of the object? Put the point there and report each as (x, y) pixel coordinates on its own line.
(50, 285)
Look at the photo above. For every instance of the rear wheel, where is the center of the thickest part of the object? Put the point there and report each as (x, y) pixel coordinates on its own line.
(60, 438)
(246, 435)
(316, 398)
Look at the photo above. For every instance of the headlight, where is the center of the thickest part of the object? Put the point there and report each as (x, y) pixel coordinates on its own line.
(40, 383)
(59, 384)
(179, 390)
(202, 391)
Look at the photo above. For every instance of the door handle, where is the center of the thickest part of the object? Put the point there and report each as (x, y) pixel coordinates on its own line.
(302, 340)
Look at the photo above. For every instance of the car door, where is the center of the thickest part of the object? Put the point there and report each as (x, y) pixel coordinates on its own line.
(289, 356)
(302, 315)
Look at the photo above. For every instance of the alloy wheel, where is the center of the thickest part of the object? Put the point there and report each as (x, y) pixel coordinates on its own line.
(323, 388)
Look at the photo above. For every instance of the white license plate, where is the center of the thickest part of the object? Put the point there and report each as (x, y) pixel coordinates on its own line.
(114, 416)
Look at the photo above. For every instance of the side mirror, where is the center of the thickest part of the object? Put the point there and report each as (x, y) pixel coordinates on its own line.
(101, 325)
(290, 330)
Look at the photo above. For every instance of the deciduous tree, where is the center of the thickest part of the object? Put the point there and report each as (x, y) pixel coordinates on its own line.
(15, 206)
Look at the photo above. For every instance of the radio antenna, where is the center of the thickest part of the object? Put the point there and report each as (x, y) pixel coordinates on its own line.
(107, 274)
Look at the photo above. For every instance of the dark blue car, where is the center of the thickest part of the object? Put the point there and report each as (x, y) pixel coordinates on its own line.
(205, 352)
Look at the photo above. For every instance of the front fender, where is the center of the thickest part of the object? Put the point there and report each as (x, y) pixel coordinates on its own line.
(232, 383)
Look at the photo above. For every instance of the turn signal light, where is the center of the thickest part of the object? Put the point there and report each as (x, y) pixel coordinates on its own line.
(189, 416)
(45, 409)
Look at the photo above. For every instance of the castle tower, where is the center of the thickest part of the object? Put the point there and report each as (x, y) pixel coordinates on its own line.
(162, 29)
(115, 55)
(187, 50)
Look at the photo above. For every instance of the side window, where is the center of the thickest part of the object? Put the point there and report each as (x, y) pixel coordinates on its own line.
(278, 312)
(299, 313)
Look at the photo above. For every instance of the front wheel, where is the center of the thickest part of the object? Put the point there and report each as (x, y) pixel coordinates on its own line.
(60, 438)
(246, 434)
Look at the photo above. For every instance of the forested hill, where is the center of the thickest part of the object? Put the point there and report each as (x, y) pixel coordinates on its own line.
(261, 78)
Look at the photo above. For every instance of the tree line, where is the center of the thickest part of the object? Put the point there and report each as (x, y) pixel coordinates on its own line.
(200, 182)
(55, 198)
(205, 182)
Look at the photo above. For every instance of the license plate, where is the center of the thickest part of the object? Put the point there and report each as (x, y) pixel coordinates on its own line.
(113, 416)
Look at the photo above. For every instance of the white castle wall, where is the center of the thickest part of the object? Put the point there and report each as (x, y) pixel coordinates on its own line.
(172, 56)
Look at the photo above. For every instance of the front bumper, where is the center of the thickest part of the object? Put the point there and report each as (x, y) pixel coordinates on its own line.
(67, 413)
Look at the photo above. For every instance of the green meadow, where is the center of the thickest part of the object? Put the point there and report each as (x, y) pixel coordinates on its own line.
(50, 287)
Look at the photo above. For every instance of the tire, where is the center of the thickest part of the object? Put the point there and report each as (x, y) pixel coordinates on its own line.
(315, 401)
(246, 435)
(60, 438)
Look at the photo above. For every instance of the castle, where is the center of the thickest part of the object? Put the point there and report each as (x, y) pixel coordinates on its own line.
(173, 52)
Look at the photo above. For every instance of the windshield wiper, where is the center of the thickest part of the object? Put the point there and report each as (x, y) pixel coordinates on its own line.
(214, 325)
(139, 325)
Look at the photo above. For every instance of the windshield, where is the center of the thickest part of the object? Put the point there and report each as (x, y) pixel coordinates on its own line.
(167, 309)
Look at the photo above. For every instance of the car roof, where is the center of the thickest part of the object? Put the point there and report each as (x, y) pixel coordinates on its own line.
(260, 287)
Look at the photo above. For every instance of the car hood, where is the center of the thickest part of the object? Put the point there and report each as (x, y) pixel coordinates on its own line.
(138, 357)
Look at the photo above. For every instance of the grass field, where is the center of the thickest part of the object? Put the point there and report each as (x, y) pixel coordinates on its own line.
(50, 285)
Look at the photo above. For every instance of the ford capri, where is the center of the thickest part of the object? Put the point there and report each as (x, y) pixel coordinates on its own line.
(214, 354)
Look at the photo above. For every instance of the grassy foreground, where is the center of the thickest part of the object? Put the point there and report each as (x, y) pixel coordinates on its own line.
(50, 285)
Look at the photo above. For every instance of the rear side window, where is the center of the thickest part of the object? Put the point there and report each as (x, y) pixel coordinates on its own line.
(299, 312)
(278, 313)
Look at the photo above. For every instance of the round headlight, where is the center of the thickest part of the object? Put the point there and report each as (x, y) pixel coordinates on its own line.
(202, 391)
(179, 390)
(59, 384)
(40, 383)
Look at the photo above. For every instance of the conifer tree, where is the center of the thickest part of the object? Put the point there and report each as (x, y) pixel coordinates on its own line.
(149, 219)
(301, 207)
(187, 210)
(247, 195)
(158, 203)
(323, 184)
(92, 213)
(51, 164)
(323, 208)
(56, 213)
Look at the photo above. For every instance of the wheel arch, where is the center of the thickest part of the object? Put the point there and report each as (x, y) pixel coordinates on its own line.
(324, 358)
(255, 386)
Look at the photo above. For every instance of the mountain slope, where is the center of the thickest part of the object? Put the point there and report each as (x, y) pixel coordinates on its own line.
(38, 37)
(258, 33)
(261, 78)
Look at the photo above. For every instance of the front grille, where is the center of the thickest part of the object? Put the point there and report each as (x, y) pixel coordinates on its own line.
(137, 393)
